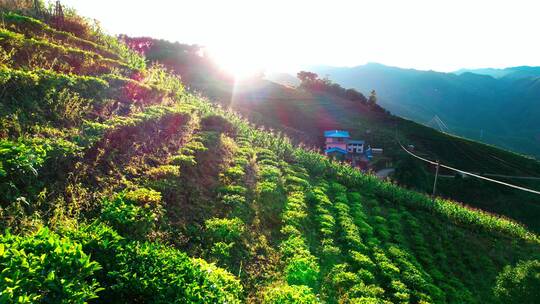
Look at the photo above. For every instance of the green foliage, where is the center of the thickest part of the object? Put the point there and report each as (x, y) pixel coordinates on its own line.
(133, 213)
(302, 270)
(519, 284)
(155, 273)
(37, 29)
(45, 268)
(47, 98)
(222, 251)
(120, 127)
(183, 160)
(287, 294)
(233, 190)
(225, 229)
(410, 172)
(21, 161)
(164, 172)
(150, 272)
(36, 53)
(101, 242)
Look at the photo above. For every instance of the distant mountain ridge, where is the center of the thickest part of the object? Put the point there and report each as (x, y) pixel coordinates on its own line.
(508, 73)
(496, 106)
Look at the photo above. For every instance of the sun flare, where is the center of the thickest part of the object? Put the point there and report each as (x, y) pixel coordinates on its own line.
(239, 63)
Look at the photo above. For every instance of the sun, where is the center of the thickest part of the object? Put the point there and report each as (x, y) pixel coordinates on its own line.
(239, 62)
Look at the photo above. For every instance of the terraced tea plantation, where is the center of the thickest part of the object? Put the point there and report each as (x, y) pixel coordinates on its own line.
(119, 186)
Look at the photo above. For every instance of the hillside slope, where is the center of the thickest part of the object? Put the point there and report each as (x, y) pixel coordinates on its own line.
(117, 185)
(500, 111)
(304, 115)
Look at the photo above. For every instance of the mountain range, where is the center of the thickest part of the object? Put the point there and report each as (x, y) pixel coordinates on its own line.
(495, 106)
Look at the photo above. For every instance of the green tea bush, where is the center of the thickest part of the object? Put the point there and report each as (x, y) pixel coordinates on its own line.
(519, 284)
(234, 200)
(136, 272)
(37, 53)
(224, 235)
(225, 229)
(222, 252)
(45, 268)
(287, 294)
(183, 160)
(294, 245)
(217, 123)
(326, 223)
(164, 172)
(233, 174)
(101, 242)
(133, 213)
(233, 190)
(302, 270)
(341, 279)
(157, 274)
(117, 131)
(35, 28)
(21, 161)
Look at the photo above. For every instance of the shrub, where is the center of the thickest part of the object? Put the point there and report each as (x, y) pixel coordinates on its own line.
(302, 270)
(227, 230)
(46, 268)
(183, 160)
(235, 173)
(287, 294)
(218, 124)
(519, 284)
(232, 190)
(368, 300)
(234, 200)
(144, 197)
(294, 245)
(363, 261)
(21, 161)
(133, 213)
(342, 279)
(154, 273)
(101, 242)
(192, 147)
(164, 172)
(135, 272)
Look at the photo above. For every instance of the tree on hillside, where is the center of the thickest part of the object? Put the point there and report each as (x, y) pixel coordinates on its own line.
(311, 82)
(305, 76)
(372, 100)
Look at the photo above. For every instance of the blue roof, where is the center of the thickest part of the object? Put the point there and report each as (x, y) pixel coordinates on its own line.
(336, 133)
(335, 149)
(356, 141)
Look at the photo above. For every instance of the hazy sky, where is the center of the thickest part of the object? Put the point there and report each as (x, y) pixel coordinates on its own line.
(284, 35)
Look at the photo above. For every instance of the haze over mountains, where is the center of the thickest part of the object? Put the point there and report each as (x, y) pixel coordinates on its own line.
(495, 106)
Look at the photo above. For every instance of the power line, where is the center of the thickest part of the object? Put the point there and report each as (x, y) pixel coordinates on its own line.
(469, 173)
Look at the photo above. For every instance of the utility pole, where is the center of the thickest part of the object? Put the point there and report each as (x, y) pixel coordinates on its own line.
(436, 176)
